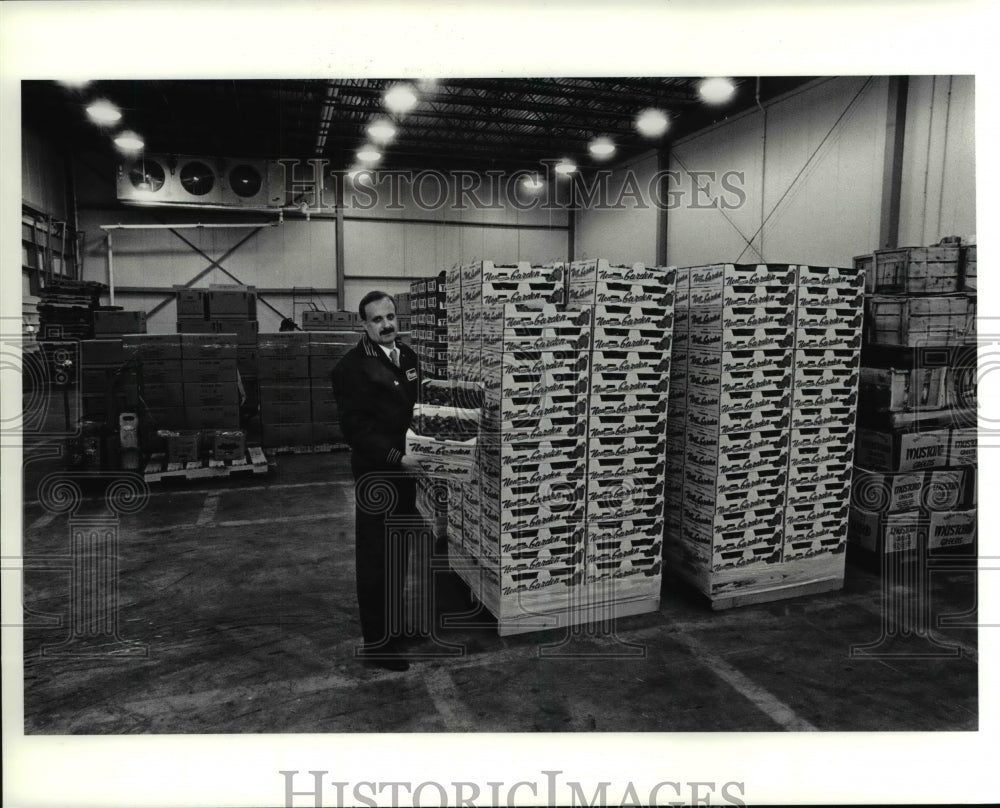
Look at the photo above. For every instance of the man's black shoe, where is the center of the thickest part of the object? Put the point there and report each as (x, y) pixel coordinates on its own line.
(383, 656)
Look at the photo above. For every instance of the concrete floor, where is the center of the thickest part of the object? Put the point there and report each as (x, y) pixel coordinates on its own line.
(237, 615)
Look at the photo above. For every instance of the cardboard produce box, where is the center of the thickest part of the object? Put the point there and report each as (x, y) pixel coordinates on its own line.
(885, 533)
(119, 322)
(952, 529)
(906, 451)
(452, 459)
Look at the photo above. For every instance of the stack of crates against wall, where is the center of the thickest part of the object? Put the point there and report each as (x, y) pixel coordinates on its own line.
(326, 349)
(916, 298)
(113, 321)
(633, 317)
(108, 381)
(161, 376)
(210, 390)
(915, 486)
(285, 389)
(224, 310)
(914, 492)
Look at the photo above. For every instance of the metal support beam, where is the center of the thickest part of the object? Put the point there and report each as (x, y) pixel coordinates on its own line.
(892, 171)
(339, 246)
(662, 166)
(571, 234)
(212, 265)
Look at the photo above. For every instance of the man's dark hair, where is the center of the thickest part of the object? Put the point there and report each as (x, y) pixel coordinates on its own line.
(371, 297)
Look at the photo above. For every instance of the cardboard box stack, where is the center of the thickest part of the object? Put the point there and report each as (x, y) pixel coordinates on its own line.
(326, 349)
(632, 315)
(915, 464)
(428, 325)
(285, 386)
(210, 389)
(323, 320)
(539, 540)
(761, 427)
(108, 381)
(159, 362)
(221, 310)
(113, 321)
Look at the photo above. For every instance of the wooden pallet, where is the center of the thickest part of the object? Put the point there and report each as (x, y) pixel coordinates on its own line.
(316, 448)
(158, 469)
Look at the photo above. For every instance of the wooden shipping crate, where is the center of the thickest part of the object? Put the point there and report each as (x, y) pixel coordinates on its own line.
(969, 280)
(898, 390)
(943, 321)
(912, 270)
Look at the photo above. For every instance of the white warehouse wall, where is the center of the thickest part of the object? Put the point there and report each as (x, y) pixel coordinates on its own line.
(619, 221)
(815, 182)
(939, 160)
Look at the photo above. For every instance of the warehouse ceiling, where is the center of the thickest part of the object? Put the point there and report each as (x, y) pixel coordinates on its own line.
(473, 124)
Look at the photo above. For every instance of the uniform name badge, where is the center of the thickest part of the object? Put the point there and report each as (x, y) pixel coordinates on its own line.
(411, 375)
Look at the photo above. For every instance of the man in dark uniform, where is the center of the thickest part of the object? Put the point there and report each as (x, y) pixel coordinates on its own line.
(376, 385)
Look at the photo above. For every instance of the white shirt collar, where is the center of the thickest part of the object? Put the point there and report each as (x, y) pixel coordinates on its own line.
(387, 351)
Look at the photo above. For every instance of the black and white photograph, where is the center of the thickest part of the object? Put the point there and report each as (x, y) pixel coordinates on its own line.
(493, 416)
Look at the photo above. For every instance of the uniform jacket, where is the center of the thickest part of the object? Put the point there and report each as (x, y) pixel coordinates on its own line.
(375, 400)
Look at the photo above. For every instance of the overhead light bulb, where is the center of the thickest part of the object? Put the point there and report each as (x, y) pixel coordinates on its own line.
(652, 122)
(369, 154)
(74, 84)
(716, 90)
(104, 113)
(533, 183)
(565, 167)
(129, 142)
(381, 131)
(400, 98)
(602, 147)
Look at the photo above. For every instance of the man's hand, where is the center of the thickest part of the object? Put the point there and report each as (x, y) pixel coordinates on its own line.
(410, 465)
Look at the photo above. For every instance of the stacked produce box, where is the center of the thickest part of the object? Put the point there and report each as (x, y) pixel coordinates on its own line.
(326, 349)
(562, 522)
(426, 321)
(761, 427)
(224, 310)
(632, 314)
(915, 473)
(285, 389)
(323, 320)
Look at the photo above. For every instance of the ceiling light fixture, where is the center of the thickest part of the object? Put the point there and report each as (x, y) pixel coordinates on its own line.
(369, 154)
(104, 113)
(400, 99)
(652, 122)
(129, 142)
(381, 131)
(716, 90)
(533, 183)
(602, 148)
(565, 167)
